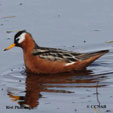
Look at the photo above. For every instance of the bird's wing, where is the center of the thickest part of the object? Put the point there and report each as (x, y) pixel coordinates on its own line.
(54, 54)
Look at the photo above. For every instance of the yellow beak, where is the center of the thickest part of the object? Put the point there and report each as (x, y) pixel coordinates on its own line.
(11, 46)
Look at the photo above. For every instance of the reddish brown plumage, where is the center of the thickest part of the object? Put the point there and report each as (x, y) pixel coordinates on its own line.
(51, 60)
(35, 64)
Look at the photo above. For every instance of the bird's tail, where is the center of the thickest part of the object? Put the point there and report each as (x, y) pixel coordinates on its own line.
(88, 58)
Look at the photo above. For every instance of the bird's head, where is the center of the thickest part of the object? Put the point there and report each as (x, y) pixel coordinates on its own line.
(21, 39)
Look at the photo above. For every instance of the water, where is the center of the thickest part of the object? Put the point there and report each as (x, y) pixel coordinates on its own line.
(61, 93)
(81, 26)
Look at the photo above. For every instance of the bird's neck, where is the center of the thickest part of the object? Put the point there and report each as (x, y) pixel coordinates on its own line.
(28, 45)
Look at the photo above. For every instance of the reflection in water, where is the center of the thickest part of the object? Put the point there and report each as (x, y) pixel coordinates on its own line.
(35, 84)
(97, 95)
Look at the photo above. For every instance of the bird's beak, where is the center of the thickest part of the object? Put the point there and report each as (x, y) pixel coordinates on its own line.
(11, 46)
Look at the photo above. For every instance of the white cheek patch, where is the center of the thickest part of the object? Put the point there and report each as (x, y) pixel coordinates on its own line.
(21, 38)
(69, 64)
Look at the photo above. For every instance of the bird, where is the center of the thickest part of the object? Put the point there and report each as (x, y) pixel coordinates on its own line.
(44, 60)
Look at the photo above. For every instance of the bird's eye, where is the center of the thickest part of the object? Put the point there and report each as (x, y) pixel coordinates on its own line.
(17, 39)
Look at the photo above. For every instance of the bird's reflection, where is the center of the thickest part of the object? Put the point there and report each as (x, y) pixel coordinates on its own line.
(35, 84)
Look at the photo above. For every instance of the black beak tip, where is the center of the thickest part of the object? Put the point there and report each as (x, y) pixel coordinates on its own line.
(5, 49)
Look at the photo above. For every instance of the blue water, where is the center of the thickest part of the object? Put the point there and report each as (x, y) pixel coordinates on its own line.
(81, 26)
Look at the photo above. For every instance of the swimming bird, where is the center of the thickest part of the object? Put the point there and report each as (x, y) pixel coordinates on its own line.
(43, 60)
